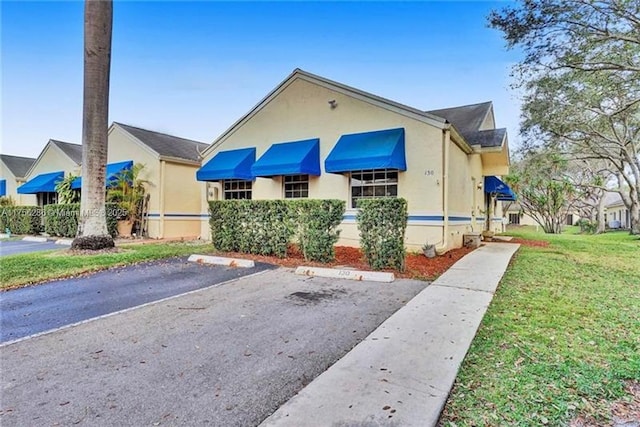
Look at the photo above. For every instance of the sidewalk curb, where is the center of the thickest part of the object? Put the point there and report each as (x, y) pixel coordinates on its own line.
(216, 260)
(34, 239)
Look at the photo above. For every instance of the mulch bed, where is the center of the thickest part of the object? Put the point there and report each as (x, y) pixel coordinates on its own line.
(417, 265)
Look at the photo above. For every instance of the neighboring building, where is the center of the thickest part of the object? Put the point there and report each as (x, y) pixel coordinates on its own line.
(170, 164)
(56, 160)
(13, 170)
(316, 138)
(515, 215)
(616, 213)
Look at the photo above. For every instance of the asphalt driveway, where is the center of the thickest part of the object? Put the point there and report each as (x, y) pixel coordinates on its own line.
(13, 247)
(34, 309)
(223, 356)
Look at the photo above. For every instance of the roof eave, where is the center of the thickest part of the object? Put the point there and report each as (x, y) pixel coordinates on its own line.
(180, 160)
(333, 85)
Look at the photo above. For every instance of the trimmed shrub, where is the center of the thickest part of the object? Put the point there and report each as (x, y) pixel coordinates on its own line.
(20, 219)
(62, 220)
(262, 227)
(317, 222)
(382, 224)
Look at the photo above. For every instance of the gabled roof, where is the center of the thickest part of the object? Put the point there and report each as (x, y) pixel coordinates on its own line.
(467, 119)
(166, 145)
(488, 138)
(17, 165)
(612, 199)
(342, 88)
(73, 151)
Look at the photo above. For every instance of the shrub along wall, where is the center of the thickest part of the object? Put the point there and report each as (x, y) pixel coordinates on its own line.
(20, 219)
(266, 227)
(382, 224)
(261, 227)
(317, 222)
(62, 220)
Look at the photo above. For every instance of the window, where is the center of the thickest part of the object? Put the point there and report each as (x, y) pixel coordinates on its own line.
(372, 184)
(49, 198)
(514, 218)
(237, 189)
(296, 186)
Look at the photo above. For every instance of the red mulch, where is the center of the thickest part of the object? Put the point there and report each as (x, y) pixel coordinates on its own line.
(417, 265)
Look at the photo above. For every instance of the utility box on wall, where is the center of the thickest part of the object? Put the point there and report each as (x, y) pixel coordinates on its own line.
(471, 240)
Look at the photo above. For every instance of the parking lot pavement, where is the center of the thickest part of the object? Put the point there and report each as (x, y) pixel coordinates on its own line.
(13, 247)
(35, 309)
(223, 356)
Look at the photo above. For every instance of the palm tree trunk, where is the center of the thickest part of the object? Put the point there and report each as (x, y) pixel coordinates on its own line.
(92, 226)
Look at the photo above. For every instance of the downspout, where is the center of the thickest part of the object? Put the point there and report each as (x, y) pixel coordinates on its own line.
(446, 141)
(161, 198)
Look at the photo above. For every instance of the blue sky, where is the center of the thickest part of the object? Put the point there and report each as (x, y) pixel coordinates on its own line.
(192, 69)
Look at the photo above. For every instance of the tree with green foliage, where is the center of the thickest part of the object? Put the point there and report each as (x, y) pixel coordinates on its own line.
(66, 193)
(581, 79)
(544, 191)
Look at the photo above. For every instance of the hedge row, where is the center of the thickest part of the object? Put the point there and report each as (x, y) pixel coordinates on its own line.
(20, 219)
(62, 220)
(382, 224)
(266, 227)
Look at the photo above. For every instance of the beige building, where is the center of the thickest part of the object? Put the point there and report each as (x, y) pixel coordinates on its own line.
(56, 160)
(316, 138)
(616, 213)
(170, 164)
(13, 170)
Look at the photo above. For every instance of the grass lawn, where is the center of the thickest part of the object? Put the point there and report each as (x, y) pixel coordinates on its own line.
(560, 339)
(24, 269)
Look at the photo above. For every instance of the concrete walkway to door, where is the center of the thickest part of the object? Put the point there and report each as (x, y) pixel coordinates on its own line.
(402, 373)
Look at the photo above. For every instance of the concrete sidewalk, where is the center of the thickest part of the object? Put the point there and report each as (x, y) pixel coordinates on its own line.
(401, 374)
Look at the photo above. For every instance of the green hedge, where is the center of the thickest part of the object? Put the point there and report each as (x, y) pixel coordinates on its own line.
(261, 227)
(382, 224)
(62, 220)
(266, 227)
(20, 219)
(317, 222)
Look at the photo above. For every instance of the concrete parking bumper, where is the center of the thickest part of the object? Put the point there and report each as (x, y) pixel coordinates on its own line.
(402, 373)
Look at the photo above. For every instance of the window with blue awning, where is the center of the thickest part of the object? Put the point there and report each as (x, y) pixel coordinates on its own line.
(112, 174)
(289, 158)
(231, 164)
(383, 149)
(3, 187)
(43, 183)
(494, 185)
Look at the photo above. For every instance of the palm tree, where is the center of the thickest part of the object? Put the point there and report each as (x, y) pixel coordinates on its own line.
(92, 226)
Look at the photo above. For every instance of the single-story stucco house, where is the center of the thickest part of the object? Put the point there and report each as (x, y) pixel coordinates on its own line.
(56, 160)
(13, 170)
(170, 163)
(315, 138)
(617, 215)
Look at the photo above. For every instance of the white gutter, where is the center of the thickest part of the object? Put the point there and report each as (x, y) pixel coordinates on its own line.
(446, 141)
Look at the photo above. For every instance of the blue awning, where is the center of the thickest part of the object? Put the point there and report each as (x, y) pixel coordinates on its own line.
(289, 158)
(495, 185)
(43, 183)
(383, 149)
(3, 187)
(232, 164)
(112, 173)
